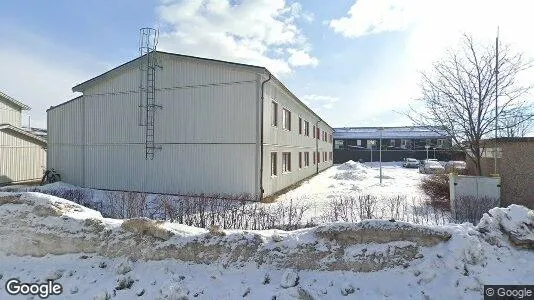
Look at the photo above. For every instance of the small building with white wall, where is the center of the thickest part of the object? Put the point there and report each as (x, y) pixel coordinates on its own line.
(217, 127)
(22, 154)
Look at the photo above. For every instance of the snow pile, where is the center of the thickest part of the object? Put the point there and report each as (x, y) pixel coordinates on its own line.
(515, 222)
(99, 258)
(351, 171)
(352, 166)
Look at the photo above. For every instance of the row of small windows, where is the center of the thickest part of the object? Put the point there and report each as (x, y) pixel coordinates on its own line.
(304, 126)
(304, 160)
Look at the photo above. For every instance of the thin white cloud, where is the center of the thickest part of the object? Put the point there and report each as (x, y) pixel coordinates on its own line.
(319, 101)
(255, 32)
(301, 58)
(374, 16)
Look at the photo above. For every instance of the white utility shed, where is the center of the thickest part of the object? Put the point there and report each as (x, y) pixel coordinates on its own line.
(22, 154)
(218, 127)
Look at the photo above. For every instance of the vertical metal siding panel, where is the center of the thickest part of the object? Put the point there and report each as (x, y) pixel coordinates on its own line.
(10, 114)
(20, 159)
(65, 141)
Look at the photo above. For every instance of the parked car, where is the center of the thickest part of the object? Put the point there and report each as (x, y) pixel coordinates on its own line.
(456, 166)
(431, 166)
(410, 163)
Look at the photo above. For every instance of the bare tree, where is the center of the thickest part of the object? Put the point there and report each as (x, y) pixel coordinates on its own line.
(458, 94)
(511, 126)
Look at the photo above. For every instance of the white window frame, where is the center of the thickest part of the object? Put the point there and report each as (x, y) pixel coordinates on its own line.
(306, 159)
(286, 162)
(274, 164)
(306, 128)
(274, 113)
(359, 143)
(286, 123)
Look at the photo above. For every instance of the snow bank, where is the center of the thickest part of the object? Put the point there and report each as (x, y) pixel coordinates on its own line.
(351, 171)
(35, 224)
(352, 166)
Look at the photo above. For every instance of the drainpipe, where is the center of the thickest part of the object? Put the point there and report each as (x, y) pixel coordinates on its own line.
(317, 147)
(261, 133)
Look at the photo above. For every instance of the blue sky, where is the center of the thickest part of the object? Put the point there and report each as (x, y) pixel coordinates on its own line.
(355, 63)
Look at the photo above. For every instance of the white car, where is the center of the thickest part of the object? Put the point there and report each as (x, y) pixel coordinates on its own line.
(431, 166)
(410, 163)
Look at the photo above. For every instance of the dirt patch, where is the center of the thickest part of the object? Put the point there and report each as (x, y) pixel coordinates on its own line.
(378, 231)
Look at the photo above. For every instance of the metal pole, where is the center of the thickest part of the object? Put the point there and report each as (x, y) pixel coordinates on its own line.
(380, 155)
(496, 98)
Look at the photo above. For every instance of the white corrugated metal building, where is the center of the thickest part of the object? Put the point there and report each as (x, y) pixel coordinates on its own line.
(223, 128)
(22, 154)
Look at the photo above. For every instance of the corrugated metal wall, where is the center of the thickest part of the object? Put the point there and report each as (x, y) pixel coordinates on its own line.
(207, 130)
(20, 158)
(277, 139)
(65, 141)
(9, 113)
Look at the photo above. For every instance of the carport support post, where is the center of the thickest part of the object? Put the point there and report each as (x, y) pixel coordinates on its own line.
(427, 146)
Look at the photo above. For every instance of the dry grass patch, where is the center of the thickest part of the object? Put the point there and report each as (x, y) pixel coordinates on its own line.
(145, 226)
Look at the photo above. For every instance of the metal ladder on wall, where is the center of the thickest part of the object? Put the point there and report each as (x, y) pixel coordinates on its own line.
(147, 89)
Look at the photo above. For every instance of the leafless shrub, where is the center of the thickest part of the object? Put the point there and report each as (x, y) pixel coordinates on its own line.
(471, 208)
(436, 186)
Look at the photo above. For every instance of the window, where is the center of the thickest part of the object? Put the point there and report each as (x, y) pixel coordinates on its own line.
(286, 119)
(313, 158)
(306, 159)
(300, 125)
(286, 162)
(359, 143)
(306, 128)
(404, 144)
(313, 132)
(428, 142)
(318, 156)
(331, 156)
(317, 134)
(338, 144)
(324, 156)
(300, 160)
(392, 143)
(274, 171)
(440, 143)
(274, 113)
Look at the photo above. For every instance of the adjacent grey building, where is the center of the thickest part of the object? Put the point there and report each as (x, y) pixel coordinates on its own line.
(214, 127)
(393, 138)
(22, 154)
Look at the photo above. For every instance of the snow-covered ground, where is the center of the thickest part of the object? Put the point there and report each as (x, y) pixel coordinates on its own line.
(353, 178)
(48, 238)
(352, 192)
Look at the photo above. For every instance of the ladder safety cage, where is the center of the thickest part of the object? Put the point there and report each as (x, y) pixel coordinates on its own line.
(148, 41)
